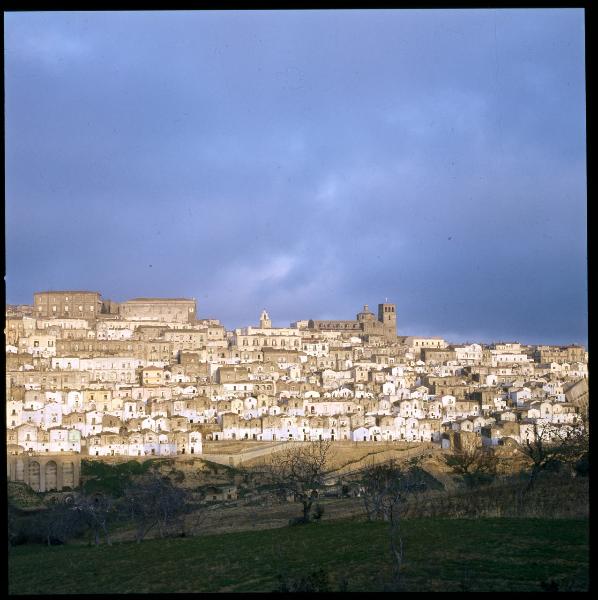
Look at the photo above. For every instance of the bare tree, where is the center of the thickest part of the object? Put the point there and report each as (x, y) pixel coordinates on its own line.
(473, 463)
(386, 488)
(55, 524)
(551, 445)
(95, 512)
(12, 525)
(299, 471)
(154, 501)
(195, 516)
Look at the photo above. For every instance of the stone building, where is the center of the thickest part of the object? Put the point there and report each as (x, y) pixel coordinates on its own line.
(438, 355)
(14, 329)
(165, 310)
(256, 338)
(194, 364)
(387, 315)
(67, 304)
(228, 374)
(186, 339)
(109, 307)
(19, 310)
(416, 345)
(559, 354)
(365, 323)
(53, 380)
(149, 350)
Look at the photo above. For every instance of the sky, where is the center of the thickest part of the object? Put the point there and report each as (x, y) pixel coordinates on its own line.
(306, 162)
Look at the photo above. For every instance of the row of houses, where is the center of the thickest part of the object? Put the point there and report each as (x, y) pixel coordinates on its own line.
(122, 385)
(57, 440)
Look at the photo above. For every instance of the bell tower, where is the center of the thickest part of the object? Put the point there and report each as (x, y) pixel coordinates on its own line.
(387, 315)
(265, 322)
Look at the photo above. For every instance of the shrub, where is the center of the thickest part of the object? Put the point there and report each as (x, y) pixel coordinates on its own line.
(317, 512)
(316, 581)
(582, 466)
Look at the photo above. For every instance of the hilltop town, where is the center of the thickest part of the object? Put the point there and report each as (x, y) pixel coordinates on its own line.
(148, 377)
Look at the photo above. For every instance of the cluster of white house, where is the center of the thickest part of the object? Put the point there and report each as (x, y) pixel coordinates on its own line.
(137, 388)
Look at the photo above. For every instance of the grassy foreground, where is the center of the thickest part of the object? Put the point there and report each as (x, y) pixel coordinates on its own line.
(440, 555)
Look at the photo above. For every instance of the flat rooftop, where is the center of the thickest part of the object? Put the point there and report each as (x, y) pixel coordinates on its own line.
(160, 300)
(68, 292)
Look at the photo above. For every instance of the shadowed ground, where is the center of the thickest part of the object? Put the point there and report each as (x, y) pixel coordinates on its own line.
(440, 555)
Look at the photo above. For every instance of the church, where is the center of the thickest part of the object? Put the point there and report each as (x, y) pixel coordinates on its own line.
(365, 323)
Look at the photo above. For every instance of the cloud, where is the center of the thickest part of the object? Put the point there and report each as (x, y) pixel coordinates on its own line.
(52, 49)
(306, 161)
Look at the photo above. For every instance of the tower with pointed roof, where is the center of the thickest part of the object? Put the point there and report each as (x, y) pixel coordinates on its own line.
(265, 322)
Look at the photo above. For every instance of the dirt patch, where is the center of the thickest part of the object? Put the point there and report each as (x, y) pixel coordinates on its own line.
(347, 456)
(223, 519)
(276, 515)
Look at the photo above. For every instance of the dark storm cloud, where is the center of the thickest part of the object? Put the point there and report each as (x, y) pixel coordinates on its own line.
(307, 162)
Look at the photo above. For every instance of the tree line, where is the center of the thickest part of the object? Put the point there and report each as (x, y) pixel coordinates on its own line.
(152, 501)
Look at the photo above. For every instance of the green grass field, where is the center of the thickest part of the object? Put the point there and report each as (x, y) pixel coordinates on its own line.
(439, 554)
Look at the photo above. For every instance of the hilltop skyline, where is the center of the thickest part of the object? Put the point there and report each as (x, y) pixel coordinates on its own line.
(306, 162)
(276, 323)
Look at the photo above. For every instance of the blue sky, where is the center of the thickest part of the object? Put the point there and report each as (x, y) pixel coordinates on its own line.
(307, 162)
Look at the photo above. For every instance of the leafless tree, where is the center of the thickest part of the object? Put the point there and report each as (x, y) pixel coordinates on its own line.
(473, 463)
(95, 512)
(386, 488)
(55, 524)
(12, 525)
(195, 514)
(154, 501)
(553, 444)
(299, 471)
